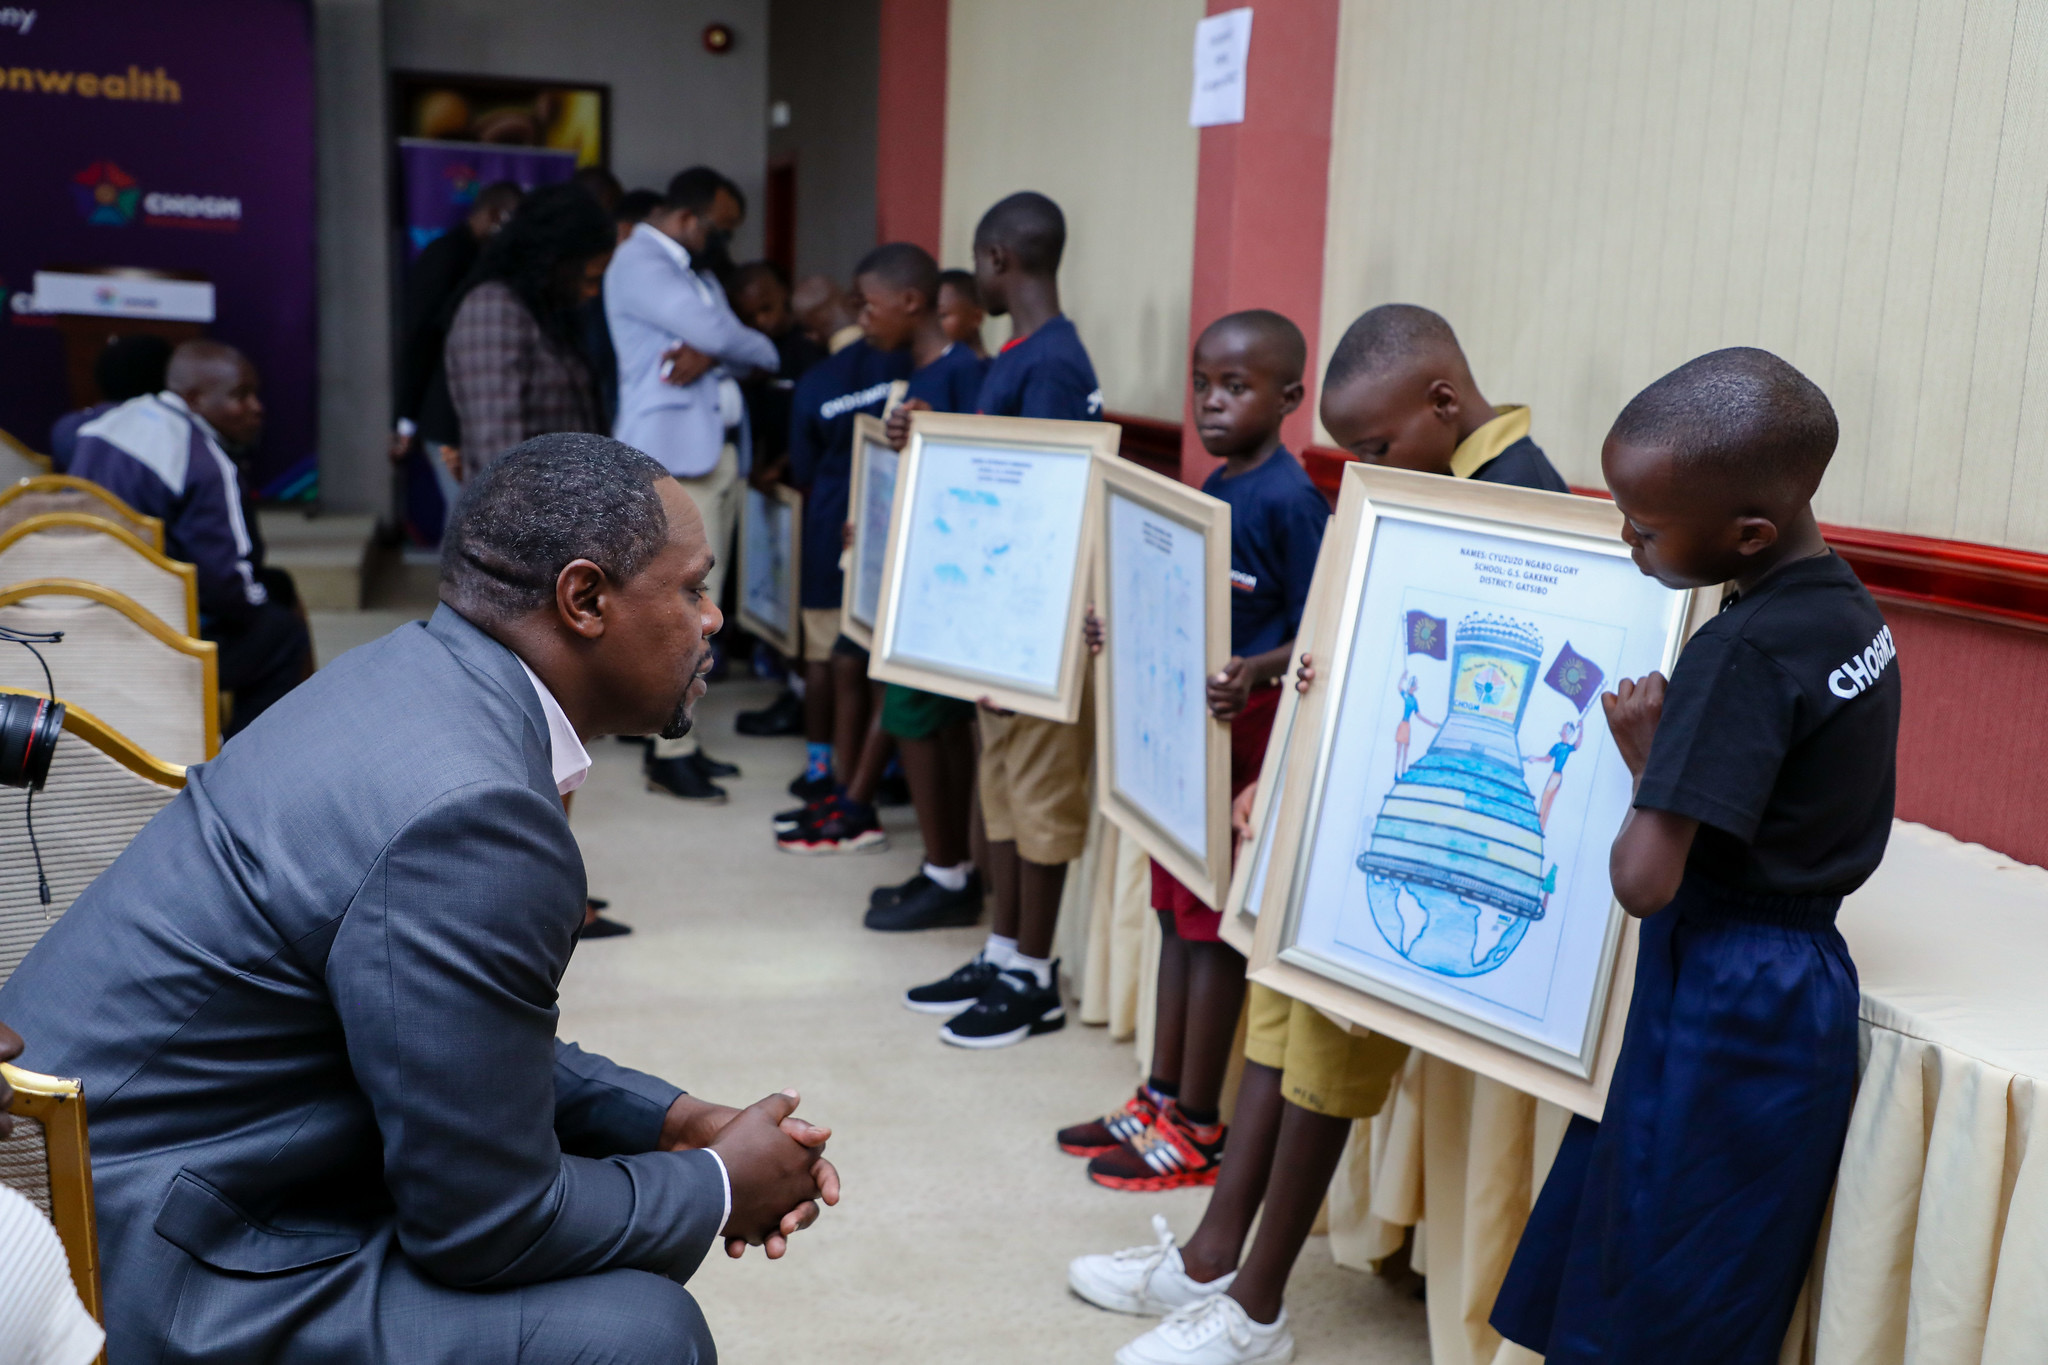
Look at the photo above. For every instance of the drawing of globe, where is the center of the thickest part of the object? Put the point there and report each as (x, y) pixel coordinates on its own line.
(1440, 930)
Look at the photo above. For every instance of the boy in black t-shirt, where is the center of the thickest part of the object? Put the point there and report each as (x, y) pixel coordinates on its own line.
(1681, 1227)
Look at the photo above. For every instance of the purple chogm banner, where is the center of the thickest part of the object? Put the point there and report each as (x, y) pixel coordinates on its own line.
(442, 179)
(161, 139)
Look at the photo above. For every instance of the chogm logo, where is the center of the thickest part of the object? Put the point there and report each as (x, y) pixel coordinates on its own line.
(107, 195)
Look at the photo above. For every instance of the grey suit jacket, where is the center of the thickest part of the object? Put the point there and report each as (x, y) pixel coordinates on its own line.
(313, 1005)
(651, 302)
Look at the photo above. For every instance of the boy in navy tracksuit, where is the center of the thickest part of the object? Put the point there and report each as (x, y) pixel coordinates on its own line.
(898, 287)
(1398, 392)
(1033, 778)
(1681, 1226)
(853, 380)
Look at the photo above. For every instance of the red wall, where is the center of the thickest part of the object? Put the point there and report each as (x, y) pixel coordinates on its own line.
(910, 123)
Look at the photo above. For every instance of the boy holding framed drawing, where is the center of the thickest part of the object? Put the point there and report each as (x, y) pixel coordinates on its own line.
(1397, 392)
(1246, 378)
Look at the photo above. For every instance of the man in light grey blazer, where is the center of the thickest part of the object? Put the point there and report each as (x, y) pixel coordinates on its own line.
(313, 1003)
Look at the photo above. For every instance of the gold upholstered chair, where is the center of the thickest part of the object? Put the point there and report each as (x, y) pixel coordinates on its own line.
(100, 792)
(48, 1163)
(91, 548)
(17, 461)
(156, 687)
(33, 497)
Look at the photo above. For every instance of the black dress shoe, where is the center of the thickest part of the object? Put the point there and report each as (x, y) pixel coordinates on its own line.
(783, 716)
(929, 906)
(889, 895)
(679, 777)
(712, 767)
(605, 928)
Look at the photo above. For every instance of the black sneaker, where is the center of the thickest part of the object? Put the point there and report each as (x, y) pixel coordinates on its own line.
(889, 895)
(712, 767)
(680, 777)
(797, 817)
(929, 906)
(956, 992)
(806, 788)
(892, 791)
(783, 716)
(843, 827)
(1013, 1008)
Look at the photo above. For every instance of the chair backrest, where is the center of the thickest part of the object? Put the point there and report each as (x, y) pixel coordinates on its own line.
(157, 688)
(18, 460)
(95, 550)
(44, 493)
(101, 791)
(48, 1162)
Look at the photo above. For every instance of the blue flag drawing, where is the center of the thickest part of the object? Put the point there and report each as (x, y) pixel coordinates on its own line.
(1426, 634)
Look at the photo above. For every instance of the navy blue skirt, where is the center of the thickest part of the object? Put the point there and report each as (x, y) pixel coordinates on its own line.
(1680, 1228)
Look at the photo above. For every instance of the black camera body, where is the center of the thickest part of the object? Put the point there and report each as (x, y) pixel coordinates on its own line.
(29, 727)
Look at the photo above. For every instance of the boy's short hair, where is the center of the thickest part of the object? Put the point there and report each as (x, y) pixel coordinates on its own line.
(696, 189)
(962, 283)
(1384, 337)
(903, 265)
(1030, 226)
(1266, 327)
(1742, 414)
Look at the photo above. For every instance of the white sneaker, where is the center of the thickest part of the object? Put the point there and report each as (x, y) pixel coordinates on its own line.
(1212, 1332)
(1149, 1281)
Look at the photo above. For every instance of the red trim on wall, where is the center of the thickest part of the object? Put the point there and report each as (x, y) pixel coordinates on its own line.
(910, 123)
(1262, 191)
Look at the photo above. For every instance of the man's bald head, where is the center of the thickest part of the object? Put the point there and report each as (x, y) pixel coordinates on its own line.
(218, 382)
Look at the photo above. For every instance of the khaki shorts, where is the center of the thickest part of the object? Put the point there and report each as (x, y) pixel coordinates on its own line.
(1323, 1068)
(821, 628)
(1034, 784)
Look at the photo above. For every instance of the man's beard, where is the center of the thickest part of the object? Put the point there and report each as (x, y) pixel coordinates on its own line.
(679, 724)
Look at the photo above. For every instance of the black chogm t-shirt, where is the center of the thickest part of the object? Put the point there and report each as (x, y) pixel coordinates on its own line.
(1780, 735)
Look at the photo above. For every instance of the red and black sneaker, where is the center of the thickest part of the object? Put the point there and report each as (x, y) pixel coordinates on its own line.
(1172, 1154)
(842, 827)
(1113, 1129)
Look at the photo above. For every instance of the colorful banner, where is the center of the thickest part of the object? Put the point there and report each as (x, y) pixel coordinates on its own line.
(174, 142)
(442, 179)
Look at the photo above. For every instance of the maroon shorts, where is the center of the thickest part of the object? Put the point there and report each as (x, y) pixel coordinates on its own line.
(1192, 920)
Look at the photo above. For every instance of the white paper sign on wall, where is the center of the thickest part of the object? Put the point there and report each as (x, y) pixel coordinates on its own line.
(1223, 46)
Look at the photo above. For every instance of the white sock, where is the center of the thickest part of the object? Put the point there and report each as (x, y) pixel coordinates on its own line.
(999, 950)
(951, 878)
(1040, 967)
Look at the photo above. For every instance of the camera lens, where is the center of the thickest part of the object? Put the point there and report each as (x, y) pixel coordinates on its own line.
(29, 727)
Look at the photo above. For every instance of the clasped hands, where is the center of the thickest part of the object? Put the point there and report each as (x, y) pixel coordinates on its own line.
(773, 1161)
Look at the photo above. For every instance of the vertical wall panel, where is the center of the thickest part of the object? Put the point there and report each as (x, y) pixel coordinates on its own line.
(1594, 191)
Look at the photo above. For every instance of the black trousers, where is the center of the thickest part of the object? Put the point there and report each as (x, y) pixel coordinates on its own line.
(263, 655)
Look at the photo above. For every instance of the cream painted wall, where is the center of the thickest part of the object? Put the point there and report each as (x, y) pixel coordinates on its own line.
(1086, 102)
(1607, 188)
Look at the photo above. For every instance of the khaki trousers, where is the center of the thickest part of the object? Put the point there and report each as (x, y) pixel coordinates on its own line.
(717, 495)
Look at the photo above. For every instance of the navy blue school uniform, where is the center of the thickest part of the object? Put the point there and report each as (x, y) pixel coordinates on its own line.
(1524, 465)
(1680, 1228)
(1277, 519)
(951, 382)
(1044, 374)
(852, 381)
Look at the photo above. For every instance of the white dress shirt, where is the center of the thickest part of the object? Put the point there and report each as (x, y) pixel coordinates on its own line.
(42, 1321)
(570, 764)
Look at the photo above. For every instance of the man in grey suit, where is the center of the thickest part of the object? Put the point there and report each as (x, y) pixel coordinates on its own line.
(682, 351)
(313, 1003)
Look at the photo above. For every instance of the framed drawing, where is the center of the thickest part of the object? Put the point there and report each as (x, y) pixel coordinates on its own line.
(872, 503)
(984, 575)
(1162, 590)
(1248, 876)
(771, 539)
(1439, 859)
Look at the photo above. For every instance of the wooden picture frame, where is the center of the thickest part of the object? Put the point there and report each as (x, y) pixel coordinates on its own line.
(1404, 889)
(771, 541)
(1162, 551)
(1009, 629)
(1244, 896)
(870, 507)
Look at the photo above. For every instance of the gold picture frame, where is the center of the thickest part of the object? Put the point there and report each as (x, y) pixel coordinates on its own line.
(942, 628)
(760, 516)
(1505, 550)
(1161, 512)
(876, 464)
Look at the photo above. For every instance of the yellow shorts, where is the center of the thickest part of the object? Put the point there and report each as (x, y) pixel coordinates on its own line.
(1034, 784)
(1323, 1068)
(821, 628)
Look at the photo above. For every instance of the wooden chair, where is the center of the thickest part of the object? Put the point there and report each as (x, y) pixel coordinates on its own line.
(157, 688)
(48, 1163)
(101, 791)
(18, 461)
(33, 497)
(73, 545)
